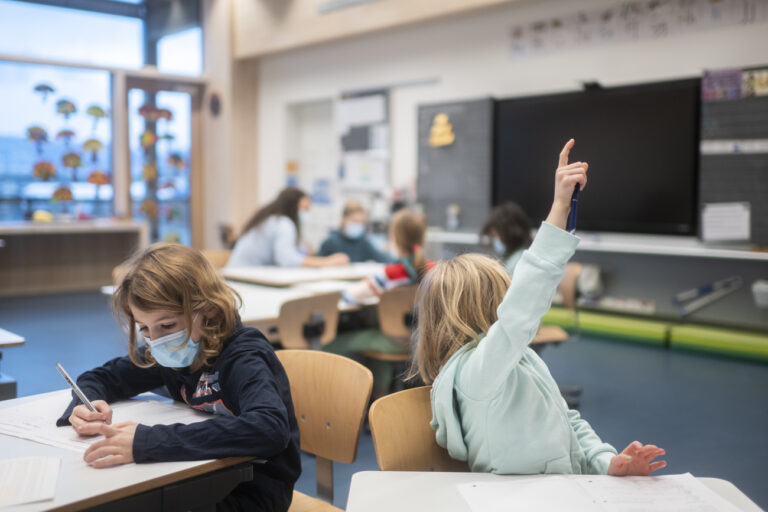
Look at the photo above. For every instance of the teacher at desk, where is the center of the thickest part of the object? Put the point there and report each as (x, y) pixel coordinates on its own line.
(271, 236)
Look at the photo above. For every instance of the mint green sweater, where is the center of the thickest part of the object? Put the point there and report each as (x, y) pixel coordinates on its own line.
(495, 403)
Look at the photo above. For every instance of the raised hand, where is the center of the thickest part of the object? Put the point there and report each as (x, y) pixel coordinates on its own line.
(567, 176)
(636, 460)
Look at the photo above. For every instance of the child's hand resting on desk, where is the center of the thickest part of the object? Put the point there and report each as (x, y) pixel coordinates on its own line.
(116, 449)
(636, 460)
(567, 177)
(86, 423)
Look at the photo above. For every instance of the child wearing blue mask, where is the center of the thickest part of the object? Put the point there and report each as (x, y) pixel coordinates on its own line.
(351, 238)
(509, 230)
(185, 334)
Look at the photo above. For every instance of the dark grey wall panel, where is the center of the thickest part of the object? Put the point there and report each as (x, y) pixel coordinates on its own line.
(459, 173)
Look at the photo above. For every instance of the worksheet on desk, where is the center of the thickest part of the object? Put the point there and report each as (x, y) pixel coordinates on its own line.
(28, 480)
(36, 420)
(671, 493)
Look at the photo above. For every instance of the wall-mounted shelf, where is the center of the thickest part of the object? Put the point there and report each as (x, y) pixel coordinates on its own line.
(630, 244)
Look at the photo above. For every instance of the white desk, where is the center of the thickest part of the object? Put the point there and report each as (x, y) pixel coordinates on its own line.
(7, 383)
(404, 491)
(80, 486)
(278, 276)
(9, 339)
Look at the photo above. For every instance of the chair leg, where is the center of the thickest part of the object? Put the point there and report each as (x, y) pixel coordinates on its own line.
(324, 469)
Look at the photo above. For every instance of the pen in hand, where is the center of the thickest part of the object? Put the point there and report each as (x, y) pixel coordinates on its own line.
(76, 388)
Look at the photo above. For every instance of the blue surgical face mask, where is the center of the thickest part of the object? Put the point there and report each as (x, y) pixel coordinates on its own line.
(166, 350)
(354, 230)
(498, 246)
(303, 217)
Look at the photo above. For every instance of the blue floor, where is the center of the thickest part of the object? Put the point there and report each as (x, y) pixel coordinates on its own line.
(711, 414)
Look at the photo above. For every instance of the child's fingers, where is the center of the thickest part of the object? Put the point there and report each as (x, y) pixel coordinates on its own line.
(574, 165)
(572, 181)
(565, 152)
(657, 465)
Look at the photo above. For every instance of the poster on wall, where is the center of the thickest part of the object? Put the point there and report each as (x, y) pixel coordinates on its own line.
(631, 21)
(363, 129)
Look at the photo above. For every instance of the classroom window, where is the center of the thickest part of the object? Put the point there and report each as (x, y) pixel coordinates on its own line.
(181, 53)
(70, 35)
(160, 133)
(55, 141)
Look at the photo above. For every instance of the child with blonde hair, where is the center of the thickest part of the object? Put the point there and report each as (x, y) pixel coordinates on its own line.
(495, 404)
(193, 343)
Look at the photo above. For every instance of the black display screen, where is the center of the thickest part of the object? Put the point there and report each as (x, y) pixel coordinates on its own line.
(641, 143)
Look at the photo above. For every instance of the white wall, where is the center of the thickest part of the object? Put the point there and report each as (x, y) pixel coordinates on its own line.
(470, 57)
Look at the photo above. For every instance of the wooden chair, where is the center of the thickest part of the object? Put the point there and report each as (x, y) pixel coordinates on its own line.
(309, 322)
(395, 313)
(217, 257)
(330, 396)
(402, 437)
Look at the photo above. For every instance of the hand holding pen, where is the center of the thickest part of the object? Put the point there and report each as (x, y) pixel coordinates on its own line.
(568, 178)
(88, 418)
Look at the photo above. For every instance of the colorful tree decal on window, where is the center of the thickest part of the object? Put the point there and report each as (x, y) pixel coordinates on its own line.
(176, 161)
(149, 173)
(97, 113)
(44, 90)
(148, 139)
(62, 194)
(66, 135)
(44, 170)
(93, 146)
(149, 208)
(39, 136)
(65, 108)
(72, 161)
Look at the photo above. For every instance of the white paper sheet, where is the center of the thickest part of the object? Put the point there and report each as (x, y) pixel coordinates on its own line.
(672, 493)
(36, 420)
(28, 479)
(725, 222)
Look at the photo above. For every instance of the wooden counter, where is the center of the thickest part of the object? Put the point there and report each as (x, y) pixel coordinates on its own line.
(55, 257)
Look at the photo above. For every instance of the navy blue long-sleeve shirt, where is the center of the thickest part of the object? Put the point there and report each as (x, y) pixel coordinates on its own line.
(248, 392)
(358, 249)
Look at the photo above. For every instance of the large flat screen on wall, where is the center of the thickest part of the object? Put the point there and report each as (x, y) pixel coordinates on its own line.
(641, 143)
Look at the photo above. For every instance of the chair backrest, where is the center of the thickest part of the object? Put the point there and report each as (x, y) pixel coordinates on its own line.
(402, 437)
(217, 257)
(394, 309)
(568, 284)
(309, 317)
(330, 396)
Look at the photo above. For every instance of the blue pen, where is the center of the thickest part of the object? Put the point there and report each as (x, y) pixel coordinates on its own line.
(571, 224)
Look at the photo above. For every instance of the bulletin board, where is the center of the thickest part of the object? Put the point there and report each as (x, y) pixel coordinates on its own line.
(733, 167)
(455, 163)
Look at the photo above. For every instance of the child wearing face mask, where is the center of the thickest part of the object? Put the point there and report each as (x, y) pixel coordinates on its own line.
(509, 229)
(184, 333)
(351, 239)
(272, 235)
(406, 236)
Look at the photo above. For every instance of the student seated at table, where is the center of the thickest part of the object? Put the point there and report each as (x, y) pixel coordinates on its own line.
(509, 229)
(351, 238)
(494, 402)
(184, 333)
(406, 236)
(272, 235)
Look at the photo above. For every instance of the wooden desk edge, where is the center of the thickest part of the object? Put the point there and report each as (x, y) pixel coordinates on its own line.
(135, 489)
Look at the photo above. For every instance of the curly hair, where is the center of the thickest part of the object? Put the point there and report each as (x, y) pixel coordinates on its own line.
(178, 279)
